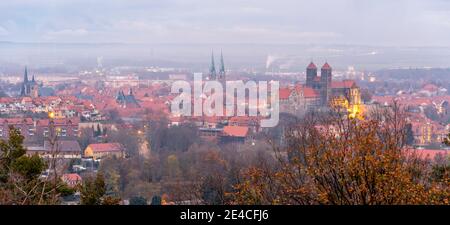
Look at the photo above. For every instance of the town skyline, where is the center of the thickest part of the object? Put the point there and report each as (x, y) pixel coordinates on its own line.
(194, 102)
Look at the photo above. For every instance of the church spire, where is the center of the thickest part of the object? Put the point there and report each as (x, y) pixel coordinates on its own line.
(25, 75)
(222, 67)
(212, 68)
(24, 89)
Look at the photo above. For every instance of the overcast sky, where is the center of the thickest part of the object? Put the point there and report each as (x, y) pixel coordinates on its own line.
(370, 22)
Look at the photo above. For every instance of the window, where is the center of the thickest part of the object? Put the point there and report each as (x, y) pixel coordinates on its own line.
(58, 131)
(31, 131)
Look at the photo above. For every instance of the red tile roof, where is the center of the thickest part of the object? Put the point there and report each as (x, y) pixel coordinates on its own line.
(73, 177)
(61, 122)
(16, 121)
(235, 131)
(63, 146)
(8, 100)
(285, 93)
(310, 93)
(383, 99)
(343, 84)
(430, 88)
(312, 66)
(106, 147)
(27, 99)
(326, 66)
(211, 119)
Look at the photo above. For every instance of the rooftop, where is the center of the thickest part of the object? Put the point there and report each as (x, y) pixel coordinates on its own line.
(106, 147)
(235, 131)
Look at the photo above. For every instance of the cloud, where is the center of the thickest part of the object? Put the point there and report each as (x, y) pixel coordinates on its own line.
(230, 21)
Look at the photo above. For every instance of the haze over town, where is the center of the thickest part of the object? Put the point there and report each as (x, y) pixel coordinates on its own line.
(183, 33)
(96, 104)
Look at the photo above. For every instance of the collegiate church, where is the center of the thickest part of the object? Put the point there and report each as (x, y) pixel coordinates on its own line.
(321, 91)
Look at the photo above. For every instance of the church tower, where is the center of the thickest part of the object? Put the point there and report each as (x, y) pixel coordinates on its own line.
(326, 73)
(212, 69)
(29, 88)
(23, 89)
(34, 90)
(25, 75)
(325, 80)
(311, 74)
(222, 77)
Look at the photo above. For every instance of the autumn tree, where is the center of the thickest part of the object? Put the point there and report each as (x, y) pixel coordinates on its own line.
(111, 200)
(173, 166)
(344, 161)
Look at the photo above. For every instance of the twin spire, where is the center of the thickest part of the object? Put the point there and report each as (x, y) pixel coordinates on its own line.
(27, 85)
(212, 68)
(121, 94)
(25, 76)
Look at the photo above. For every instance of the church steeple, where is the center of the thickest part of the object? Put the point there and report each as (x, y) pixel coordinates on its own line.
(311, 74)
(24, 89)
(25, 75)
(212, 68)
(222, 68)
(29, 88)
(326, 73)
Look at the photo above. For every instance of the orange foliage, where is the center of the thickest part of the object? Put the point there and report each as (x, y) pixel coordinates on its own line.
(359, 162)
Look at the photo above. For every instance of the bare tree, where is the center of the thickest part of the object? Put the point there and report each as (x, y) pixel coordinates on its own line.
(335, 159)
